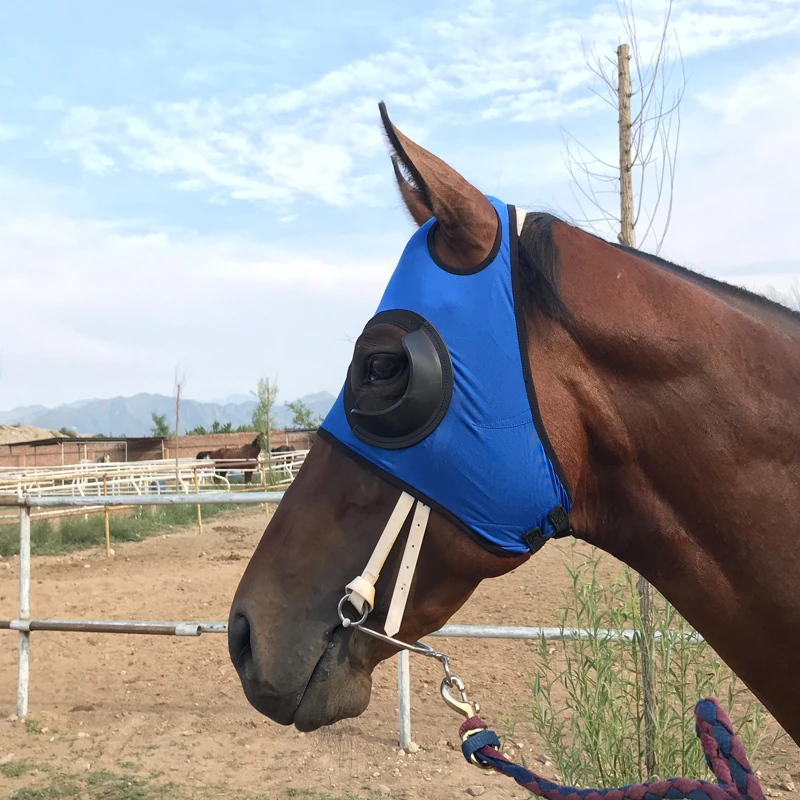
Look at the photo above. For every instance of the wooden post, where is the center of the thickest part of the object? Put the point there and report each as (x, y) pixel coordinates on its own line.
(105, 517)
(199, 513)
(627, 238)
(264, 484)
(626, 234)
(648, 695)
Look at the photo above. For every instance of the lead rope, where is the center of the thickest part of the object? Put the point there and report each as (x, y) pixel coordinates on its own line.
(723, 750)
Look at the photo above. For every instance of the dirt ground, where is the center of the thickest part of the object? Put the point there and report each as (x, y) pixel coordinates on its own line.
(169, 711)
(24, 433)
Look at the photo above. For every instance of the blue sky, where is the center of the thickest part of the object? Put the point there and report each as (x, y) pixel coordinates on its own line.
(206, 185)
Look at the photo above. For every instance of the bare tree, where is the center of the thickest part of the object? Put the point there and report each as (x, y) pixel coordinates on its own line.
(180, 383)
(789, 298)
(633, 197)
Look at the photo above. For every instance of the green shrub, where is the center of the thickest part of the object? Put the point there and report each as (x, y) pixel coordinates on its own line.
(596, 734)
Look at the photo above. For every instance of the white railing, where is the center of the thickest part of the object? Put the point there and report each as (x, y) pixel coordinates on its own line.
(143, 477)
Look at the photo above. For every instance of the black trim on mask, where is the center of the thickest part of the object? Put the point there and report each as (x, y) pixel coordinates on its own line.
(426, 398)
(522, 336)
(491, 255)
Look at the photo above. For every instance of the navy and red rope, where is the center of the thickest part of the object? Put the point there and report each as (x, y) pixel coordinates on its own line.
(724, 754)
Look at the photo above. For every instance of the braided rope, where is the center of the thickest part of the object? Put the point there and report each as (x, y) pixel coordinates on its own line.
(724, 754)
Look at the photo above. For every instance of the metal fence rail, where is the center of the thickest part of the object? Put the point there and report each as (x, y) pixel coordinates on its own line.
(24, 625)
(28, 502)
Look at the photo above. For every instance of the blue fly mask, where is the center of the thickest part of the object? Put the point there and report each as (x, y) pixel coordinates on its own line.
(466, 438)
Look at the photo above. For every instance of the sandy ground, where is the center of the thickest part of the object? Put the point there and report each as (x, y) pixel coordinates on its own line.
(172, 710)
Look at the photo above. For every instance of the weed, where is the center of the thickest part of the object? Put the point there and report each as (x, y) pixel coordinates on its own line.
(596, 735)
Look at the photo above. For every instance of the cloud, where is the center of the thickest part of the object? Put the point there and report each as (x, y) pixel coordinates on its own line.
(318, 140)
(736, 195)
(111, 307)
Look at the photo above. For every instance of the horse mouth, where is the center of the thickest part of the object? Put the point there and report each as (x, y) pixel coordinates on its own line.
(336, 689)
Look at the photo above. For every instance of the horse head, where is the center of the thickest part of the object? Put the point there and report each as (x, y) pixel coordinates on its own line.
(297, 663)
(523, 380)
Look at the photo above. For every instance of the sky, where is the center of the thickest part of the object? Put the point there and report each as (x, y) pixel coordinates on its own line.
(205, 187)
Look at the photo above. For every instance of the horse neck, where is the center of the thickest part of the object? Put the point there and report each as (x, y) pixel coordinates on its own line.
(676, 417)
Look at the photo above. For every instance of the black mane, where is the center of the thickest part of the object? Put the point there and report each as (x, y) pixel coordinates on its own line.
(540, 268)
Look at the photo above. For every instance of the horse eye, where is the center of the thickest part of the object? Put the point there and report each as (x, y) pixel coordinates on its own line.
(383, 368)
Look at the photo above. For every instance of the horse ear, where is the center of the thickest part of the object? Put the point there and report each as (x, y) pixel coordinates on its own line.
(430, 188)
(414, 200)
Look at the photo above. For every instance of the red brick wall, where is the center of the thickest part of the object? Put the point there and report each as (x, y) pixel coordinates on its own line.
(189, 446)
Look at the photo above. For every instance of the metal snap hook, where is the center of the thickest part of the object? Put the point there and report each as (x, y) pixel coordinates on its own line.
(461, 703)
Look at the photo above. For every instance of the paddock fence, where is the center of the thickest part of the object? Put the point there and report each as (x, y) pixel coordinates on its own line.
(161, 476)
(24, 625)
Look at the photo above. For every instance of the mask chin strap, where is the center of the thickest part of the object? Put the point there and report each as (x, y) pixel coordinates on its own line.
(361, 590)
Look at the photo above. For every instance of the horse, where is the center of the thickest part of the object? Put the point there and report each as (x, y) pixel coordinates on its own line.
(248, 451)
(665, 400)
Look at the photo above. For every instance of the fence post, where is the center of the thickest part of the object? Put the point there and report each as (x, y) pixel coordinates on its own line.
(23, 671)
(199, 513)
(404, 698)
(105, 515)
(264, 484)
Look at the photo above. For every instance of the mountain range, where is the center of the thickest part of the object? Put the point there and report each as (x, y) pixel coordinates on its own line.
(131, 416)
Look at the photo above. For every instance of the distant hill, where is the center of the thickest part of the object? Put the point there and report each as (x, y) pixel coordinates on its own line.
(130, 416)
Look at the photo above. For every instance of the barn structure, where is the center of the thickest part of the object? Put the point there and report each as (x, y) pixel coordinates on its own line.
(60, 450)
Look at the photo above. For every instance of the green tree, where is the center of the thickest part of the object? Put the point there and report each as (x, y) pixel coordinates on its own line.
(303, 417)
(218, 427)
(198, 431)
(67, 432)
(264, 413)
(160, 427)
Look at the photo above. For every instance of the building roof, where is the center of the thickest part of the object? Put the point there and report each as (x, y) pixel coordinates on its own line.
(88, 440)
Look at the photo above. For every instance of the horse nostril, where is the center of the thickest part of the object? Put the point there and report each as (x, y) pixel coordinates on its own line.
(239, 641)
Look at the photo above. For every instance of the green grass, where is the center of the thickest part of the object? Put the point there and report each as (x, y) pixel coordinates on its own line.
(15, 769)
(105, 785)
(32, 726)
(596, 734)
(77, 533)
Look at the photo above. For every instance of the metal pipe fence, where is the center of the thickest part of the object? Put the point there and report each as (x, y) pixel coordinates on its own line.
(25, 626)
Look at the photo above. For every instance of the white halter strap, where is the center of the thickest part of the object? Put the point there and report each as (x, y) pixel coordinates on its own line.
(361, 590)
